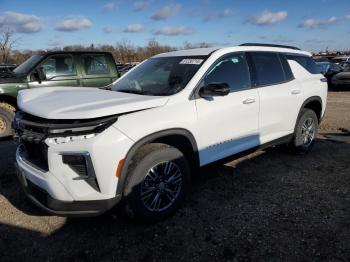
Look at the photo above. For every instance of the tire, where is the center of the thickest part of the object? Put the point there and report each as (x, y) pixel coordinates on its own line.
(305, 132)
(156, 170)
(6, 118)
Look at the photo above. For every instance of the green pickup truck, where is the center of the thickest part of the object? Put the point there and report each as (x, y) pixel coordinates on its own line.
(87, 69)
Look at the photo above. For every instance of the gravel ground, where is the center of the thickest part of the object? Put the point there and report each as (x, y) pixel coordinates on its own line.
(267, 206)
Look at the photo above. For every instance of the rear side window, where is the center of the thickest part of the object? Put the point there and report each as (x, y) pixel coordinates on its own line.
(305, 61)
(268, 68)
(286, 68)
(95, 64)
(232, 70)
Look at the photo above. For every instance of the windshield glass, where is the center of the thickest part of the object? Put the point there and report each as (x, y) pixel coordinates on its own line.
(27, 65)
(160, 76)
(338, 60)
(323, 67)
(346, 68)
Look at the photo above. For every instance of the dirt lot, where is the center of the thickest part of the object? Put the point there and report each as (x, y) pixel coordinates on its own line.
(268, 206)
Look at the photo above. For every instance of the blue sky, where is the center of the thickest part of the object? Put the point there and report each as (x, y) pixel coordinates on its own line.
(310, 24)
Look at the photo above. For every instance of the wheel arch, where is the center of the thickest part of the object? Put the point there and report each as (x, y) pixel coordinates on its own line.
(314, 103)
(9, 100)
(177, 137)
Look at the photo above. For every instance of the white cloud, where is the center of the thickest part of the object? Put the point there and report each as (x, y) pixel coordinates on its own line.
(268, 18)
(134, 28)
(108, 29)
(21, 23)
(227, 12)
(71, 24)
(313, 23)
(140, 5)
(110, 6)
(166, 12)
(174, 31)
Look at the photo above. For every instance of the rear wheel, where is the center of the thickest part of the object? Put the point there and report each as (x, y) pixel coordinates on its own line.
(305, 132)
(6, 118)
(159, 178)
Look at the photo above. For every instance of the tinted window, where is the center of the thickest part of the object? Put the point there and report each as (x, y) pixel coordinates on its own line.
(58, 65)
(305, 61)
(95, 64)
(232, 70)
(286, 68)
(268, 68)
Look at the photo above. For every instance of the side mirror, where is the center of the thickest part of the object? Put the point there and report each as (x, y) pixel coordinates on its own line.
(39, 75)
(214, 89)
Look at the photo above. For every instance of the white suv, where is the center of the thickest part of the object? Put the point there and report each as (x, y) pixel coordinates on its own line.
(83, 150)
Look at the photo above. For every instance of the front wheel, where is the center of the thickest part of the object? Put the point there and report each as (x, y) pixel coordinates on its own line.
(6, 118)
(305, 132)
(159, 178)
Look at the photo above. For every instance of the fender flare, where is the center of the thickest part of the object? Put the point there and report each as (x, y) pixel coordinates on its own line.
(149, 138)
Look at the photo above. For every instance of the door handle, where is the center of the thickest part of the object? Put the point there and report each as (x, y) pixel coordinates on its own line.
(249, 101)
(296, 92)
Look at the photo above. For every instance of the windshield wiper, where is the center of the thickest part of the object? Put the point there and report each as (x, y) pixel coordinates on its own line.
(133, 91)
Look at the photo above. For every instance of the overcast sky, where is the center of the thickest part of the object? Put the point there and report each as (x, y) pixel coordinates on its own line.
(309, 24)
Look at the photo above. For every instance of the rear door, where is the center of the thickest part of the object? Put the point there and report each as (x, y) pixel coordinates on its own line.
(98, 70)
(280, 95)
(60, 70)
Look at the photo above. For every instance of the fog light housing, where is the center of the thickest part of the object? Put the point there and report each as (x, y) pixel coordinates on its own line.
(81, 164)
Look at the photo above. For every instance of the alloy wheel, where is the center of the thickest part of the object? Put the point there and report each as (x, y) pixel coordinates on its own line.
(161, 186)
(308, 131)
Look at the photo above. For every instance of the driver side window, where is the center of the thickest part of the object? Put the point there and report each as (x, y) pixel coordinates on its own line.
(58, 65)
(232, 70)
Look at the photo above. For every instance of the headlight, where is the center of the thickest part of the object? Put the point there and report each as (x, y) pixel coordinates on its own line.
(67, 139)
(31, 128)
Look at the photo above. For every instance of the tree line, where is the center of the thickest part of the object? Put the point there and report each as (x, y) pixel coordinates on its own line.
(123, 52)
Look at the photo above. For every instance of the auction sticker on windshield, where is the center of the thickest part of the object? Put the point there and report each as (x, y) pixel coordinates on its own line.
(191, 61)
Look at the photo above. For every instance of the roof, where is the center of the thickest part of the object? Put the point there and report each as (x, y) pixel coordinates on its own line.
(190, 52)
(209, 51)
(73, 52)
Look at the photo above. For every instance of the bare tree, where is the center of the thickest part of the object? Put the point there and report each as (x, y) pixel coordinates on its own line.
(7, 43)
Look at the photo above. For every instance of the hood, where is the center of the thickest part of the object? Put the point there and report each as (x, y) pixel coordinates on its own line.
(10, 77)
(342, 76)
(82, 103)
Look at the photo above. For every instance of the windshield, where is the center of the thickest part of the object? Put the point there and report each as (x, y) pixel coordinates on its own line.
(27, 65)
(339, 60)
(323, 67)
(346, 68)
(160, 76)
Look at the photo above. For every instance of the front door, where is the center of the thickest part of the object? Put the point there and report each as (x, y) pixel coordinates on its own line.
(60, 70)
(228, 124)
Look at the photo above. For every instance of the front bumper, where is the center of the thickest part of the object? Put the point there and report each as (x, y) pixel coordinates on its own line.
(341, 83)
(64, 208)
(59, 207)
(57, 189)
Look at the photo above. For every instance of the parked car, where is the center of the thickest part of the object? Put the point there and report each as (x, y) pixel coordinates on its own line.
(4, 68)
(321, 59)
(142, 140)
(123, 68)
(342, 80)
(329, 70)
(340, 59)
(86, 69)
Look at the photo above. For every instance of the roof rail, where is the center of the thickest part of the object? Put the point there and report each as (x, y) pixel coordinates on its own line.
(270, 45)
